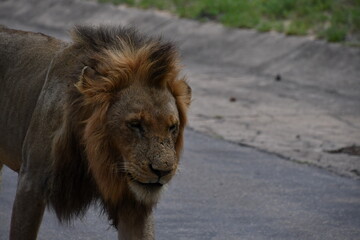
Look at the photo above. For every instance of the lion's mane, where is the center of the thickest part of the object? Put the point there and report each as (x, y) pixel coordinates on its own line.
(85, 159)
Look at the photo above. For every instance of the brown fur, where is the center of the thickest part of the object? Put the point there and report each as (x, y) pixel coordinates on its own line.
(91, 152)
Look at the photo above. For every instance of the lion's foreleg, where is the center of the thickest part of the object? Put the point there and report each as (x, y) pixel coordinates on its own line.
(149, 228)
(28, 209)
(136, 227)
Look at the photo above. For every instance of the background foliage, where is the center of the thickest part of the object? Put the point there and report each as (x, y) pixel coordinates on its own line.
(332, 20)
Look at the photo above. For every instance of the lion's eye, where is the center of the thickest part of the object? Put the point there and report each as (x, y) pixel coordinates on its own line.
(135, 125)
(173, 128)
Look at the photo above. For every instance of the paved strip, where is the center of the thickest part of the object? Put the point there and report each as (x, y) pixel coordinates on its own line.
(225, 191)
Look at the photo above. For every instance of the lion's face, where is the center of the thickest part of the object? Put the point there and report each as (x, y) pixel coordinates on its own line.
(144, 125)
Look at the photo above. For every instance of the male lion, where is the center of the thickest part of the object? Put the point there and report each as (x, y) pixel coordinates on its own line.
(100, 119)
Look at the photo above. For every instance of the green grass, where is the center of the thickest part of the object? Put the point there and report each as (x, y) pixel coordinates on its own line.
(332, 20)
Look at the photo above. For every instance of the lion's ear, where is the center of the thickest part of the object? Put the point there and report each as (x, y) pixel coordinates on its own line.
(88, 73)
(87, 78)
(181, 91)
(188, 93)
(184, 92)
(90, 84)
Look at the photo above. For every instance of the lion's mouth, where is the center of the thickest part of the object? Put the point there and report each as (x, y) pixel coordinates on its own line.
(155, 185)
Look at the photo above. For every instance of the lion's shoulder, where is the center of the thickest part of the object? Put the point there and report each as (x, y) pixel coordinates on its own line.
(16, 38)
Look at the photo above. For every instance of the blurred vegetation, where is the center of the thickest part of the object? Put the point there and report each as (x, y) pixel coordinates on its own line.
(332, 20)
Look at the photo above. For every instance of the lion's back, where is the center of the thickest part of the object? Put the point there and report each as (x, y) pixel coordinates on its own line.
(24, 59)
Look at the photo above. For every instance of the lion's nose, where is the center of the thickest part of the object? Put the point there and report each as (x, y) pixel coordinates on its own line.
(158, 172)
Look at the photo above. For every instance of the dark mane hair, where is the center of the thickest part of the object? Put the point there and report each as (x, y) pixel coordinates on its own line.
(107, 37)
(99, 42)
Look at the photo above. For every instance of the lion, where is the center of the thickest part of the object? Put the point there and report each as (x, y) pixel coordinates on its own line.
(98, 120)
